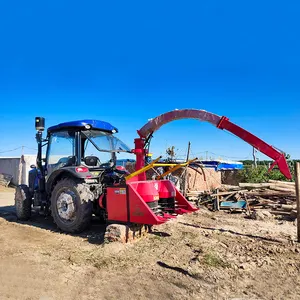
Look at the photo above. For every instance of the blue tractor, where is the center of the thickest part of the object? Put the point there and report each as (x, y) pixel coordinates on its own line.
(75, 163)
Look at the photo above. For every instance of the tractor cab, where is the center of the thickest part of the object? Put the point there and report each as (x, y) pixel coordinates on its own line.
(81, 145)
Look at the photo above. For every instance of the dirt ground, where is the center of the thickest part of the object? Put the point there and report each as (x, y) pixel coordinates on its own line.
(203, 255)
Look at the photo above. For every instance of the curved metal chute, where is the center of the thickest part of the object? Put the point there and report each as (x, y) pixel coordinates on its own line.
(154, 124)
(221, 123)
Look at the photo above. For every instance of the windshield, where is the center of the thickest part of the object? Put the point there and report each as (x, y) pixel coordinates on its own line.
(106, 142)
(104, 146)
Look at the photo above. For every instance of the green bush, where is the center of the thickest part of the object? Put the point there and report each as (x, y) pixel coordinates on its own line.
(259, 174)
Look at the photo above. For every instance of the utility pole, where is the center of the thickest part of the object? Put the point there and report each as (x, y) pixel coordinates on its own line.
(297, 186)
(185, 170)
(188, 151)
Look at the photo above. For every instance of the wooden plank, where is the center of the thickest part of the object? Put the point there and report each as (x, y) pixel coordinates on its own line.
(228, 187)
(268, 193)
(282, 182)
(286, 186)
(227, 193)
(254, 185)
(282, 189)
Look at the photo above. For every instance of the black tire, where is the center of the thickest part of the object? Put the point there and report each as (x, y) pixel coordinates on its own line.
(23, 201)
(75, 216)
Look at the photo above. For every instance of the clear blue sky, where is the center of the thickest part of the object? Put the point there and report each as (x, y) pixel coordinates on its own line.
(128, 61)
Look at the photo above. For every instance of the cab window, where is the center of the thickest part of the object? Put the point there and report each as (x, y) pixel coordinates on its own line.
(62, 147)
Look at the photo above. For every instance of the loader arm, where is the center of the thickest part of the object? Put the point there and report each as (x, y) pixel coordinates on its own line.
(257, 143)
(220, 122)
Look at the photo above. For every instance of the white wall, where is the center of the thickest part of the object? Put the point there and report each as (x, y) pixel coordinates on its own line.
(18, 167)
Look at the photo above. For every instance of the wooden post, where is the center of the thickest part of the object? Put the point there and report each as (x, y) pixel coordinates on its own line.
(217, 200)
(254, 158)
(188, 151)
(186, 171)
(297, 185)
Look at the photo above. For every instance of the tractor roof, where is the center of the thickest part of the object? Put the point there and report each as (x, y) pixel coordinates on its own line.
(83, 124)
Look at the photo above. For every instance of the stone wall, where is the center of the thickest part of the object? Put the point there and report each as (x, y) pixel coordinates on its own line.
(196, 182)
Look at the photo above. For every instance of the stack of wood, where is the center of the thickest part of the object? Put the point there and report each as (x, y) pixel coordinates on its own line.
(275, 185)
(213, 199)
(278, 197)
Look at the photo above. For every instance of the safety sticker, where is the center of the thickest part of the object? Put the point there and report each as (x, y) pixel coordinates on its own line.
(121, 191)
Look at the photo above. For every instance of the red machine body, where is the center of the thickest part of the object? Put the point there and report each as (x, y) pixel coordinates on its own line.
(144, 202)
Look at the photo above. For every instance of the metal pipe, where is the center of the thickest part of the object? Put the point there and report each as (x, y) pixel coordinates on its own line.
(142, 170)
(176, 168)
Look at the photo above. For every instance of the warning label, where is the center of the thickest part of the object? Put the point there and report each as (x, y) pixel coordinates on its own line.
(121, 191)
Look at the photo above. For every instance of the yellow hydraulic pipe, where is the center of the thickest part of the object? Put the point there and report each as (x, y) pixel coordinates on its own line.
(176, 168)
(150, 166)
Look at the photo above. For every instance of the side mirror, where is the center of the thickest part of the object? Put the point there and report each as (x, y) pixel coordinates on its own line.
(33, 166)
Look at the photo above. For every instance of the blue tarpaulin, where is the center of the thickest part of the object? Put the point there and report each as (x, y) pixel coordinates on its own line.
(220, 165)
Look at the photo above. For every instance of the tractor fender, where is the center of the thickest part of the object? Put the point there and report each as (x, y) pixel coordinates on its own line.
(57, 175)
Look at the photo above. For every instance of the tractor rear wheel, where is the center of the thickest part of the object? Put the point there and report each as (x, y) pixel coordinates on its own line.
(71, 205)
(23, 202)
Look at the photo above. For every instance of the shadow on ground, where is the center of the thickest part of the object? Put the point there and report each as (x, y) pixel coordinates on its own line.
(177, 269)
(94, 235)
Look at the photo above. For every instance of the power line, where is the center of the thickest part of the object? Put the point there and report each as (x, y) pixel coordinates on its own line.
(232, 157)
(21, 147)
(220, 155)
(207, 153)
(30, 148)
(11, 150)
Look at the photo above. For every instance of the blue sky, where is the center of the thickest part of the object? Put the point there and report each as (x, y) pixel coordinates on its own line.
(128, 61)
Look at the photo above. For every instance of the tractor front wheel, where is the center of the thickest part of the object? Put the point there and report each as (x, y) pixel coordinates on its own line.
(71, 205)
(23, 202)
